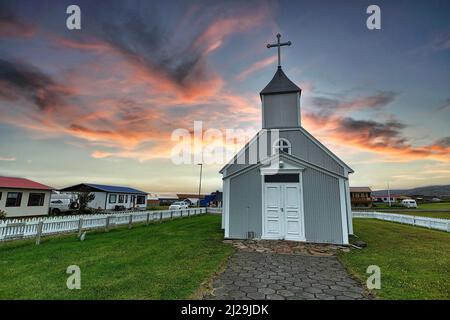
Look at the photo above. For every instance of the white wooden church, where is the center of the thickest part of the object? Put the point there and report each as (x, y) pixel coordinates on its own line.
(285, 184)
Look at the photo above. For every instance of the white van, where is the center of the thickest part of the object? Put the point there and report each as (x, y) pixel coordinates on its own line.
(63, 202)
(409, 203)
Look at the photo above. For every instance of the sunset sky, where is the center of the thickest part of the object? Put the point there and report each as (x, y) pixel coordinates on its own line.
(100, 104)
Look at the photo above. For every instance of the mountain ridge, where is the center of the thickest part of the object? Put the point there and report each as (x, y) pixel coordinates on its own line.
(429, 191)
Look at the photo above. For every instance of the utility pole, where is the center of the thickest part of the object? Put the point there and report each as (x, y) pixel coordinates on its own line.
(200, 182)
(389, 194)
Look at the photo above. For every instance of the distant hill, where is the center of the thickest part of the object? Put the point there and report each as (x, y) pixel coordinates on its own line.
(429, 191)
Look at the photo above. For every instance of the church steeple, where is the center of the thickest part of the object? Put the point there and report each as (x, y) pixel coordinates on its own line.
(280, 83)
(280, 98)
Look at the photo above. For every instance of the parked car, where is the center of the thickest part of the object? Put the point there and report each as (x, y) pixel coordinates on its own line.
(179, 205)
(63, 203)
(409, 203)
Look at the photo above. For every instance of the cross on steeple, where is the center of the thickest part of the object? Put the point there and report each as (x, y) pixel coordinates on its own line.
(279, 45)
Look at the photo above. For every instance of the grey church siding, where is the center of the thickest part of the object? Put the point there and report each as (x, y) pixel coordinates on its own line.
(305, 149)
(280, 113)
(323, 222)
(245, 204)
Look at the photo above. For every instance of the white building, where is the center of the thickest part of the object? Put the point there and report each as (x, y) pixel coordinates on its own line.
(21, 197)
(111, 197)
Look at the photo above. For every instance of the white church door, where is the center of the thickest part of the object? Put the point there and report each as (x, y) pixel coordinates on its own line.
(283, 215)
(273, 211)
(292, 212)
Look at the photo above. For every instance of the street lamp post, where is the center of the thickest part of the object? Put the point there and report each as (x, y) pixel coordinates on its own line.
(389, 194)
(200, 182)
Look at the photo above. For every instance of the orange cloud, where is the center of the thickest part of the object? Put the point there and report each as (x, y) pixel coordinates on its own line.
(259, 65)
(214, 36)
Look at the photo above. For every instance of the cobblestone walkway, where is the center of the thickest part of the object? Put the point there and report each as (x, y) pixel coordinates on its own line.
(266, 275)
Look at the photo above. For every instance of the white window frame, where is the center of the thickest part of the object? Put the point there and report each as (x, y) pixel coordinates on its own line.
(276, 146)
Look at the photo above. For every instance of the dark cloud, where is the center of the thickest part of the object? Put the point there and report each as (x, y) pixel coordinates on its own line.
(175, 50)
(23, 80)
(446, 105)
(443, 142)
(376, 101)
(374, 132)
(10, 24)
(144, 39)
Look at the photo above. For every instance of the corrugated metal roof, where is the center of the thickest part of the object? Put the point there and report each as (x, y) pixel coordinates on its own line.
(21, 183)
(280, 83)
(104, 187)
(117, 189)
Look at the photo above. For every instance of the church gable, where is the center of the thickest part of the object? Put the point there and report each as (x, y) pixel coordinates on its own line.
(301, 144)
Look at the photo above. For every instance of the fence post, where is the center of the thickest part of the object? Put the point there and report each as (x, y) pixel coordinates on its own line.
(148, 218)
(39, 232)
(171, 214)
(160, 216)
(107, 224)
(130, 221)
(80, 226)
(189, 212)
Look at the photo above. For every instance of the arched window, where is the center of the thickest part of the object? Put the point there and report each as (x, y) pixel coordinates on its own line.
(282, 145)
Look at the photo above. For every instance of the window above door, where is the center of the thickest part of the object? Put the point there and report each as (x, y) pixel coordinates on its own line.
(281, 145)
(289, 177)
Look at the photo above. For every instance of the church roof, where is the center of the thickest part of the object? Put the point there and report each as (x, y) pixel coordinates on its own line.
(280, 83)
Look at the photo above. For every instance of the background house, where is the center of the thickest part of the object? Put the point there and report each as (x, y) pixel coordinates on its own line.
(166, 199)
(111, 197)
(361, 197)
(21, 197)
(385, 198)
(152, 199)
(212, 200)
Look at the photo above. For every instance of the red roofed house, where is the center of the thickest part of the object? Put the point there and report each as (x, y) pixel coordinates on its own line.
(21, 197)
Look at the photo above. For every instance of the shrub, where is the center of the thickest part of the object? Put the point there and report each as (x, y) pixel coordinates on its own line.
(2, 215)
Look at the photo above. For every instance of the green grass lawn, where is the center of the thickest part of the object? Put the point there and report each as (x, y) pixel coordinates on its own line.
(435, 206)
(420, 206)
(160, 261)
(414, 262)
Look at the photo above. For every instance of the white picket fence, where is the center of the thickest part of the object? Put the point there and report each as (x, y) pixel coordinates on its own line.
(43, 226)
(431, 223)
(214, 210)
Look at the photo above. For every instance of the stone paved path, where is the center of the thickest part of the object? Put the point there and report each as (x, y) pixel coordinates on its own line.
(262, 275)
